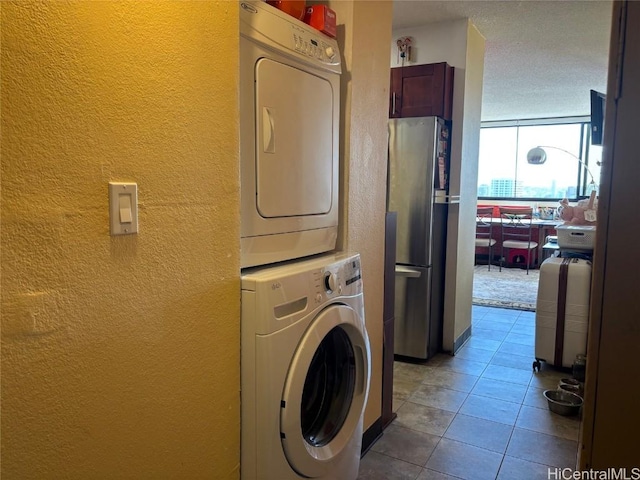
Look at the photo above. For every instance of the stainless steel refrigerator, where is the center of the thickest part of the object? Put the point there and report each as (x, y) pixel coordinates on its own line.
(418, 162)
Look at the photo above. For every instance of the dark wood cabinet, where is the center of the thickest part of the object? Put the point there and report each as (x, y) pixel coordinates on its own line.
(421, 91)
(388, 317)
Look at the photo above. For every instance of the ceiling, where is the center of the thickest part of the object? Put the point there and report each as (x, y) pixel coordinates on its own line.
(542, 57)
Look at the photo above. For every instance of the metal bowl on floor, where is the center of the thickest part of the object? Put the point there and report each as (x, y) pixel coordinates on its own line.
(563, 402)
(571, 385)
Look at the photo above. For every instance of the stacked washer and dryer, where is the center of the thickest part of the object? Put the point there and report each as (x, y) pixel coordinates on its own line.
(305, 356)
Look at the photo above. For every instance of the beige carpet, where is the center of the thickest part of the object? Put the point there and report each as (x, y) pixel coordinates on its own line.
(509, 288)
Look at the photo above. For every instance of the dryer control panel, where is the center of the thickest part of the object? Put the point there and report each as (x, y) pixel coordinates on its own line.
(313, 46)
(268, 26)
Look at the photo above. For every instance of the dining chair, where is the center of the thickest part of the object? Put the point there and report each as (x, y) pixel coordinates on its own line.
(516, 229)
(484, 230)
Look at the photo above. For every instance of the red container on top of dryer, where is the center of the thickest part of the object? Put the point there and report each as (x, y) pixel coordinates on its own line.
(295, 8)
(321, 18)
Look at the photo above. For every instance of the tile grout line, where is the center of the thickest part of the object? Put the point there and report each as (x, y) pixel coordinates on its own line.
(506, 448)
(478, 377)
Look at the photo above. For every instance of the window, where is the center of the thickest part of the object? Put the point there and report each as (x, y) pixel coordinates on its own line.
(503, 171)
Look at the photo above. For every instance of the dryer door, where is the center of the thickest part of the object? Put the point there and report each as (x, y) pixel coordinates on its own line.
(295, 141)
(325, 391)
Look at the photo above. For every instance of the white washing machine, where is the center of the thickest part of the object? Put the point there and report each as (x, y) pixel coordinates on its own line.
(289, 137)
(305, 370)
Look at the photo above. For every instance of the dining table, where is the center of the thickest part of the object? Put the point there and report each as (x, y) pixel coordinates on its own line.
(545, 227)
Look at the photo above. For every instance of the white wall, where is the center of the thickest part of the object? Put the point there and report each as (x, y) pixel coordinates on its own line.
(459, 289)
(460, 45)
(433, 43)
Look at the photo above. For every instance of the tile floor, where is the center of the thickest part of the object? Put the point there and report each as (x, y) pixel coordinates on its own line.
(478, 415)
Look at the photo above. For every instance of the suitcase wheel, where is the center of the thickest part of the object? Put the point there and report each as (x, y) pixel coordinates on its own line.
(536, 365)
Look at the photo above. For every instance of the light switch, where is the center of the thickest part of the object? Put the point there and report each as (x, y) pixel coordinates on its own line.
(123, 206)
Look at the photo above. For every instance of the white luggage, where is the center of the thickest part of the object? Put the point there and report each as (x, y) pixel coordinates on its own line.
(562, 311)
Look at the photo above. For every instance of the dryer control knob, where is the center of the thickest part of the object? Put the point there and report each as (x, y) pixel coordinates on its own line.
(330, 282)
(330, 52)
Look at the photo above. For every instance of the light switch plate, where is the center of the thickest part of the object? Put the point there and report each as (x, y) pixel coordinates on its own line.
(123, 208)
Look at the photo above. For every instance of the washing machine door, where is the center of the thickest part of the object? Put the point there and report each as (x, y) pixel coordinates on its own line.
(325, 391)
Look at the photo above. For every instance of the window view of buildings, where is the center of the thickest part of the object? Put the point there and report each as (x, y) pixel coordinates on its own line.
(503, 171)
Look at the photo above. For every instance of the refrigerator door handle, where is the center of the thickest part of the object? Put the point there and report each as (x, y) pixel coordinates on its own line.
(441, 197)
(403, 271)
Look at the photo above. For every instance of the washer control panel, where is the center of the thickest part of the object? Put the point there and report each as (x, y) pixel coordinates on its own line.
(282, 294)
(342, 278)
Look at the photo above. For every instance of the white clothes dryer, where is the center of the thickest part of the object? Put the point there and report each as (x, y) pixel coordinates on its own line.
(305, 367)
(289, 137)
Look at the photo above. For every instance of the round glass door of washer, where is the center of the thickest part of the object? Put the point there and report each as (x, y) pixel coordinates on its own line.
(325, 391)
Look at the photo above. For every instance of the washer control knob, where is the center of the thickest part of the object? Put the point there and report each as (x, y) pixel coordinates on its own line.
(330, 52)
(330, 282)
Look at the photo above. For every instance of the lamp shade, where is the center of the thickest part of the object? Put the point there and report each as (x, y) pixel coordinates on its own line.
(536, 156)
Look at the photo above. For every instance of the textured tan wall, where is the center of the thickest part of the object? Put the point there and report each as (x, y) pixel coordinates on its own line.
(365, 43)
(120, 355)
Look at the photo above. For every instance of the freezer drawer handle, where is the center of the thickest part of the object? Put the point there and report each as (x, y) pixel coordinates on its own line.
(443, 198)
(407, 272)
